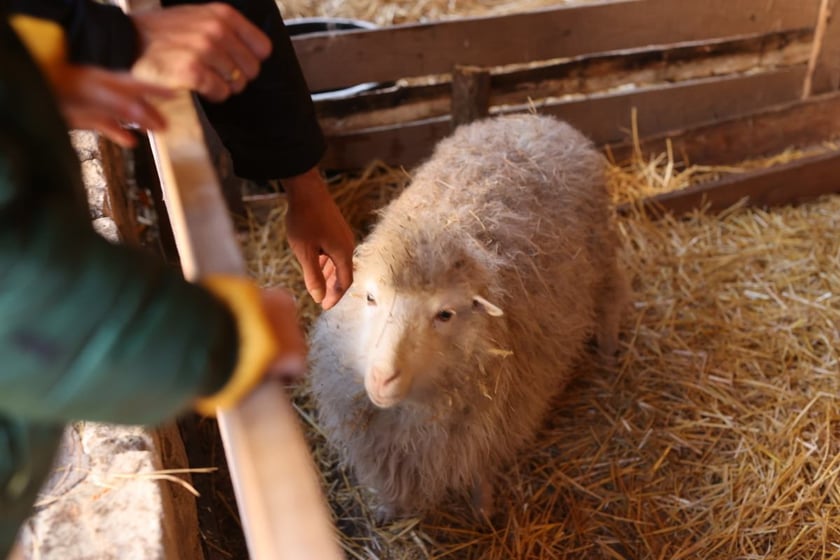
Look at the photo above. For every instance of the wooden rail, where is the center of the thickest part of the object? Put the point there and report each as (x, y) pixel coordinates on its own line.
(339, 60)
(761, 133)
(395, 103)
(605, 118)
(788, 183)
(283, 511)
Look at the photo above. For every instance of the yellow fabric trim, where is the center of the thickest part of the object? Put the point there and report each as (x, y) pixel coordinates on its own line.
(257, 345)
(44, 40)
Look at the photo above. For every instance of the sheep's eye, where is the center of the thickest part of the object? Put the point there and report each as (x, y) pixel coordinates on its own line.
(444, 315)
(370, 299)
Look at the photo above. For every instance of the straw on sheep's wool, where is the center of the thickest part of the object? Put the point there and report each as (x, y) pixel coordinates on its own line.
(717, 437)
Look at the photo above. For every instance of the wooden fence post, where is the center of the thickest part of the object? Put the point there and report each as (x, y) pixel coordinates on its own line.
(470, 94)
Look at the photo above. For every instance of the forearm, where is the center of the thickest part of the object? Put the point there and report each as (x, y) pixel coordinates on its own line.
(98, 332)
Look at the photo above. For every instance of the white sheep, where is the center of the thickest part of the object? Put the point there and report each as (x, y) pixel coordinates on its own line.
(473, 298)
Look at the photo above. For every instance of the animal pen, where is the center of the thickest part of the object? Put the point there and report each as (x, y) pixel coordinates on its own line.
(718, 433)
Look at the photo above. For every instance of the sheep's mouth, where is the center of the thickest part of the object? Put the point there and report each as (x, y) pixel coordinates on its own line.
(383, 398)
(384, 401)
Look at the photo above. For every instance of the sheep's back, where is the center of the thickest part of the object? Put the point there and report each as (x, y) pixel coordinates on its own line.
(493, 173)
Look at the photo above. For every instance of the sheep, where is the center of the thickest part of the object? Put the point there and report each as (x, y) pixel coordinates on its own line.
(474, 296)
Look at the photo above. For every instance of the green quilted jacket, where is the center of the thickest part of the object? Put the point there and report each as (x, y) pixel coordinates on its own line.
(88, 330)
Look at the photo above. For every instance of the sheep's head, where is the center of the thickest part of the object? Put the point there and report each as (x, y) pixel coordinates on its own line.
(416, 330)
(412, 339)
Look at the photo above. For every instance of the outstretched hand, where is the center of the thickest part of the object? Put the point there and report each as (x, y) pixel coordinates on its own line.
(211, 49)
(319, 237)
(102, 100)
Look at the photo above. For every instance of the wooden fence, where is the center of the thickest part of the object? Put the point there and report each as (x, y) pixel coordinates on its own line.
(726, 79)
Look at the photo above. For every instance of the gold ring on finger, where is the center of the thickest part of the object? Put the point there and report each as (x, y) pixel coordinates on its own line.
(234, 75)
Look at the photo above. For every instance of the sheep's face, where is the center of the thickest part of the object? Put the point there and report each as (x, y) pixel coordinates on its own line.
(411, 340)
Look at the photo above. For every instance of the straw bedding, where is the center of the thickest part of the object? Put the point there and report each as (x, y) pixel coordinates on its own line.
(392, 12)
(718, 434)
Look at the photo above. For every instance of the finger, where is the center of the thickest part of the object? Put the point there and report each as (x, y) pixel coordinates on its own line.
(251, 36)
(144, 115)
(334, 291)
(343, 266)
(123, 97)
(209, 83)
(328, 271)
(219, 41)
(288, 367)
(143, 88)
(327, 266)
(92, 119)
(117, 134)
(242, 59)
(312, 276)
(206, 67)
(282, 315)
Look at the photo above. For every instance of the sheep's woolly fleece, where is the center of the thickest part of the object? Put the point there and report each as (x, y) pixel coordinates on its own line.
(513, 209)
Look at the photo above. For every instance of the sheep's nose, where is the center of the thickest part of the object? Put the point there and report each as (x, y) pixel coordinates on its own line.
(384, 377)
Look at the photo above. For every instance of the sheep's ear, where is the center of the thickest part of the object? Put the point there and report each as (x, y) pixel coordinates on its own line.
(489, 308)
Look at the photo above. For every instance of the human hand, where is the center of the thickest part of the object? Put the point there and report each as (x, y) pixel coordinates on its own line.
(96, 99)
(271, 344)
(319, 237)
(211, 49)
(281, 312)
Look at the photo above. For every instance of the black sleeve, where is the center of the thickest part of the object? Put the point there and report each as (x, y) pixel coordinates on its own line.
(96, 33)
(270, 128)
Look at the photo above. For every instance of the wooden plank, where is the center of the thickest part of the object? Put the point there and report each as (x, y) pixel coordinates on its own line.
(826, 61)
(283, 511)
(763, 133)
(408, 102)
(119, 206)
(336, 60)
(604, 118)
(792, 182)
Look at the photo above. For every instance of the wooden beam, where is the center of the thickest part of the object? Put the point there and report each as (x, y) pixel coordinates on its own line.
(337, 60)
(763, 133)
(793, 182)
(283, 511)
(119, 205)
(586, 75)
(604, 118)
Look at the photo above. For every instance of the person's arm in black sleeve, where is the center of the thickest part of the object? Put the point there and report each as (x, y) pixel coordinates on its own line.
(270, 128)
(96, 33)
